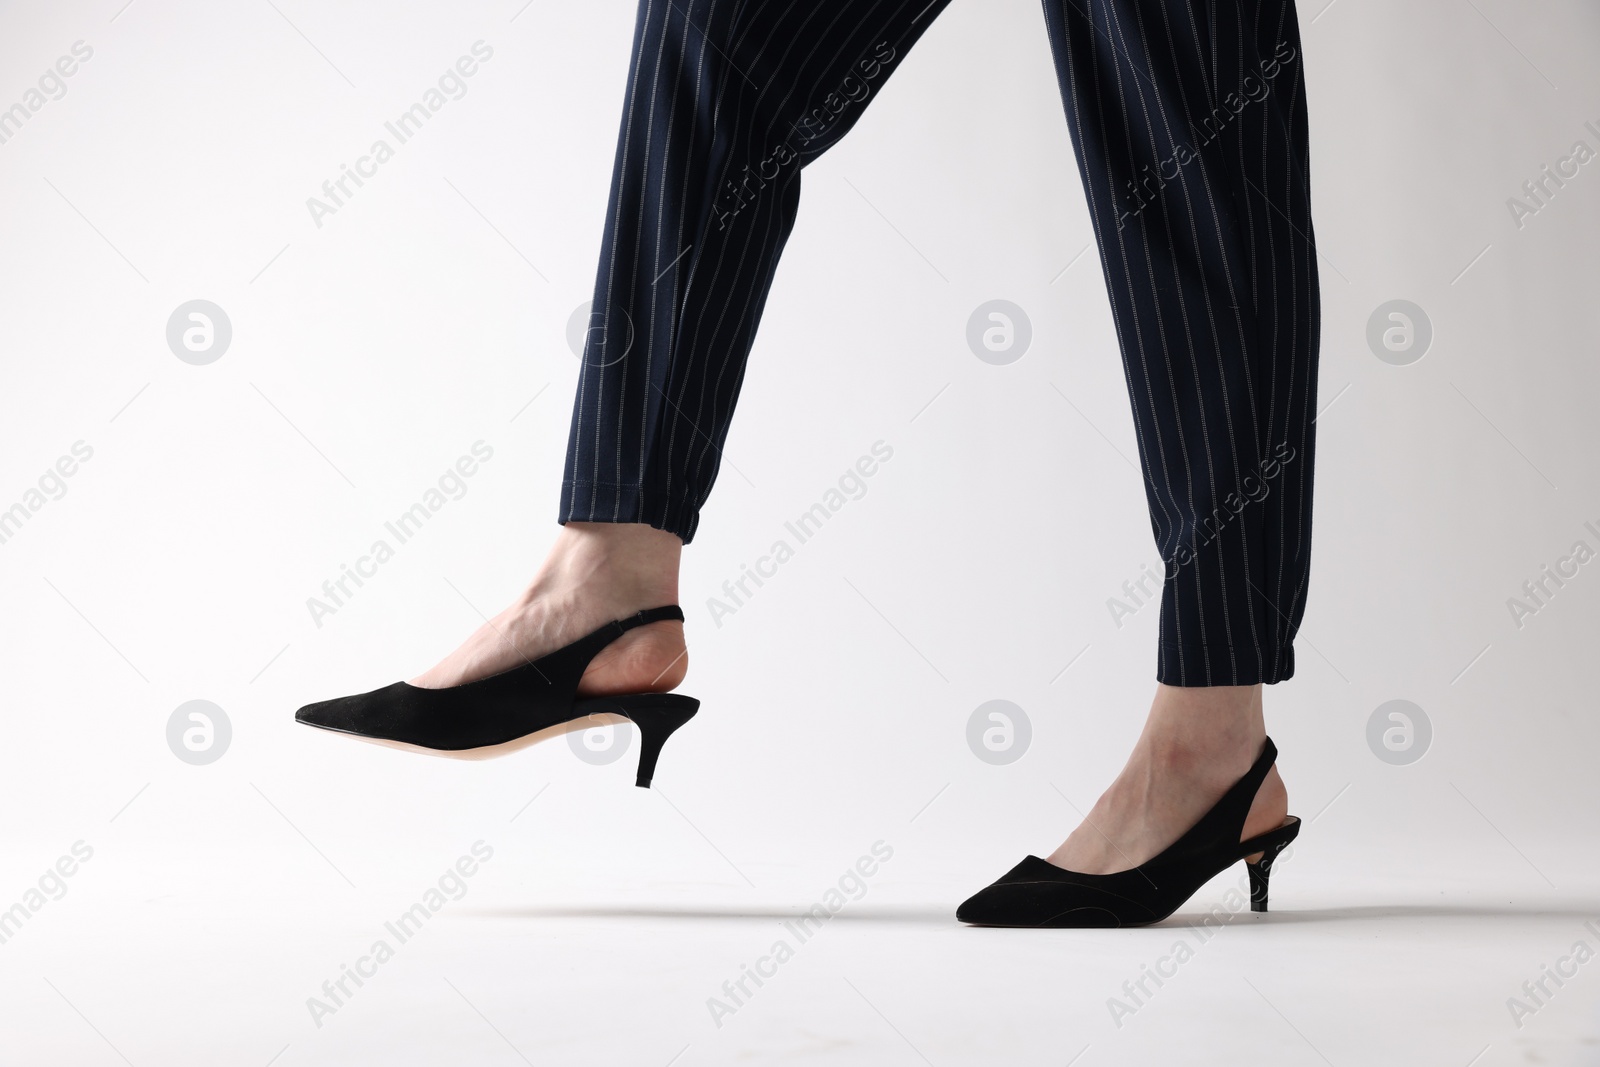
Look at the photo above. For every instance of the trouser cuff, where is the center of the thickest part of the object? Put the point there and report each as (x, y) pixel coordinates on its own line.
(599, 502)
(1200, 666)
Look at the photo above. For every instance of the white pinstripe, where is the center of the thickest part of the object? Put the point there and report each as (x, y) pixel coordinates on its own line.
(771, 62)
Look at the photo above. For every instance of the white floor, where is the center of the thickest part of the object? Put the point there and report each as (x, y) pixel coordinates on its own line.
(219, 969)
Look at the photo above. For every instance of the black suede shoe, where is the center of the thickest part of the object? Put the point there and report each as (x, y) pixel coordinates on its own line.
(1038, 893)
(513, 709)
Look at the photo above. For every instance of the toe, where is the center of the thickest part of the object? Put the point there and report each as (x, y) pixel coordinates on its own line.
(318, 714)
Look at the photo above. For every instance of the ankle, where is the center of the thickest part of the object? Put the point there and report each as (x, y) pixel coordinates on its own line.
(1217, 729)
(624, 565)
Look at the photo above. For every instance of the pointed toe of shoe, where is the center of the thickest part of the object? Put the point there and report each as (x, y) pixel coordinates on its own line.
(1004, 905)
(397, 712)
(363, 714)
(324, 714)
(1011, 900)
(1036, 893)
(983, 908)
(1036, 905)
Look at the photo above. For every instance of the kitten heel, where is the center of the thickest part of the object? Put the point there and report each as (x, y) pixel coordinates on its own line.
(657, 715)
(1269, 845)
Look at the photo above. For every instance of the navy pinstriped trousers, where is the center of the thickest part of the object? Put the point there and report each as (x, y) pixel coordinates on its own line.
(1189, 122)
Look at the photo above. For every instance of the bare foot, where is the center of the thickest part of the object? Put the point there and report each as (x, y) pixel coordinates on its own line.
(1196, 744)
(595, 573)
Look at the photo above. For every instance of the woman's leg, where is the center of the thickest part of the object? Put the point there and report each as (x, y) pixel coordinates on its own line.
(727, 100)
(1189, 124)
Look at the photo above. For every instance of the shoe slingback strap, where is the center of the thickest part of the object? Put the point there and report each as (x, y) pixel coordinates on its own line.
(1226, 820)
(612, 630)
(563, 667)
(1243, 794)
(670, 613)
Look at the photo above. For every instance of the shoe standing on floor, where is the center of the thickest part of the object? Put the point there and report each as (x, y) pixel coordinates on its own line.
(1037, 893)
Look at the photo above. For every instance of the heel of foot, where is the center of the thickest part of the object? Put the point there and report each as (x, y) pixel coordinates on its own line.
(651, 659)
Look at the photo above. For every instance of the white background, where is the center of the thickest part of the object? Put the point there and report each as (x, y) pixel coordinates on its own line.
(430, 312)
